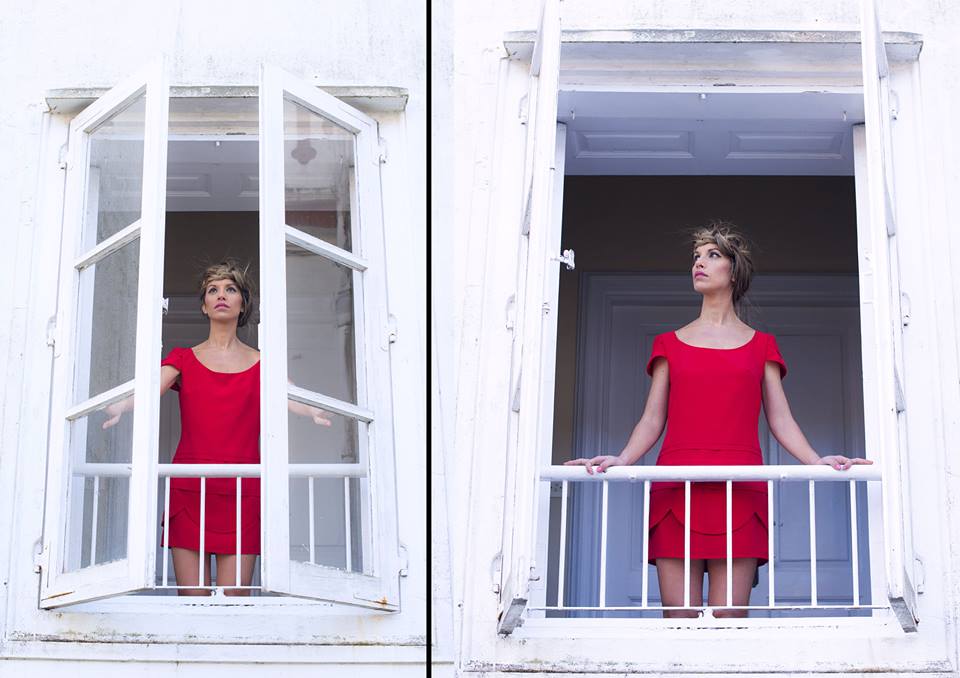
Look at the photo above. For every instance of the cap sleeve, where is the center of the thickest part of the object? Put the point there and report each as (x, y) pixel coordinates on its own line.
(659, 351)
(174, 359)
(773, 355)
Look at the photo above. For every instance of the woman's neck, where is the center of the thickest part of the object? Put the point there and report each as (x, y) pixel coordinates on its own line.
(223, 336)
(718, 310)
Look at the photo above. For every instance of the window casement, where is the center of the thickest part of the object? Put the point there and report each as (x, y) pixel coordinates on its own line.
(525, 534)
(105, 487)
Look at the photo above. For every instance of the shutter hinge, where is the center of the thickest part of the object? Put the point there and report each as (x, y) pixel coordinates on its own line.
(404, 561)
(383, 150)
(523, 111)
(496, 567)
(894, 105)
(567, 259)
(515, 402)
(41, 554)
(390, 331)
(904, 309)
(920, 574)
(165, 305)
(511, 312)
(62, 156)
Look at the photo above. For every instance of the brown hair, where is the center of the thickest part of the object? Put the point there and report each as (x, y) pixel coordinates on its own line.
(733, 245)
(231, 269)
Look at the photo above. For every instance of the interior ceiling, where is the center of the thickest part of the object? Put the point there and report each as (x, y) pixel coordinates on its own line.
(654, 133)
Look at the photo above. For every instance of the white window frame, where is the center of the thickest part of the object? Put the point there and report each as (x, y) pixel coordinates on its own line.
(135, 571)
(530, 428)
(378, 585)
(267, 617)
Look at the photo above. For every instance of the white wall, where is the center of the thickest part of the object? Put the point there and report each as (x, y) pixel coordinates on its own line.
(59, 44)
(479, 265)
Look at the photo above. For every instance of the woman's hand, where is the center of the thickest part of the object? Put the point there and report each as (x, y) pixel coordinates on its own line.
(113, 412)
(320, 417)
(841, 463)
(602, 462)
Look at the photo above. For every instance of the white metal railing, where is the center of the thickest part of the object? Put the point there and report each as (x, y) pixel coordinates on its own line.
(689, 474)
(311, 472)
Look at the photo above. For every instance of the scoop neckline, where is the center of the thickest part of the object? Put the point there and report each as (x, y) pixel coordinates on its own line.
(215, 371)
(711, 348)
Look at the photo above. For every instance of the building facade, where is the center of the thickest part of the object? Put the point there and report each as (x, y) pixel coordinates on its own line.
(142, 143)
(586, 139)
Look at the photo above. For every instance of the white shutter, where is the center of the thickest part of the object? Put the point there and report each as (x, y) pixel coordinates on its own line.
(535, 328)
(377, 585)
(880, 300)
(129, 119)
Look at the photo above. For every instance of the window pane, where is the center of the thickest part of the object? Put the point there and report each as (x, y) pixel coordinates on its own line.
(114, 174)
(321, 352)
(318, 443)
(337, 527)
(98, 497)
(318, 167)
(107, 322)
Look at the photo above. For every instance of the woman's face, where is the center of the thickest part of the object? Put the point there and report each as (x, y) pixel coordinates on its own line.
(711, 270)
(222, 300)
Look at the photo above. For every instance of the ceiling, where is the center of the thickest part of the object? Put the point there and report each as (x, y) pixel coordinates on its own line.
(654, 133)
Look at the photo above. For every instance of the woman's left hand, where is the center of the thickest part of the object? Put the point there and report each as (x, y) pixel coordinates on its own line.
(320, 417)
(841, 463)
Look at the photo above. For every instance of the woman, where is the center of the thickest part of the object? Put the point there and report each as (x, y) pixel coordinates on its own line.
(218, 382)
(708, 380)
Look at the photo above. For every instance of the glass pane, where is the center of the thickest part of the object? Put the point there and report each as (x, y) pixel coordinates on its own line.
(321, 353)
(114, 174)
(312, 441)
(107, 322)
(337, 522)
(98, 496)
(319, 181)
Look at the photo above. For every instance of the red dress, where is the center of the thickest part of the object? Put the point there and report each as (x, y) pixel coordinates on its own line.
(220, 424)
(713, 412)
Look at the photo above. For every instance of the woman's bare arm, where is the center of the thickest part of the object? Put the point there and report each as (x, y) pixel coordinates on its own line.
(168, 375)
(648, 429)
(785, 428)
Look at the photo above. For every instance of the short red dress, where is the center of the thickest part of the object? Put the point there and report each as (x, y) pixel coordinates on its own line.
(219, 424)
(713, 412)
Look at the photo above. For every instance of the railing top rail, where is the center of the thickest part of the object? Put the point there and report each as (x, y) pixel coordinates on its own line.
(713, 473)
(122, 470)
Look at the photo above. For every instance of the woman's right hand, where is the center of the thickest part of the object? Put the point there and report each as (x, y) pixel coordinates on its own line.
(602, 462)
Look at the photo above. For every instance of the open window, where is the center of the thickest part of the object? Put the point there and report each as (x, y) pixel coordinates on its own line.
(526, 575)
(328, 510)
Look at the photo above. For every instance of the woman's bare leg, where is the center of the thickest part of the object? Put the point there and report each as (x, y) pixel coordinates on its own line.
(743, 572)
(227, 572)
(670, 574)
(186, 568)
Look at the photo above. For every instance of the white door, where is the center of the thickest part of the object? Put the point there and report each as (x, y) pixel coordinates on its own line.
(821, 346)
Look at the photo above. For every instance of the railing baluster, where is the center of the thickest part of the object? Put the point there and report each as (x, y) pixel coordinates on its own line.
(603, 543)
(312, 508)
(813, 542)
(347, 527)
(771, 597)
(166, 529)
(237, 575)
(854, 550)
(563, 542)
(93, 526)
(203, 526)
(646, 544)
(686, 543)
(729, 543)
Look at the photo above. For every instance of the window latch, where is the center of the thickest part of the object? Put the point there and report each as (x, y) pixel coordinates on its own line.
(40, 553)
(165, 305)
(62, 157)
(566, 259)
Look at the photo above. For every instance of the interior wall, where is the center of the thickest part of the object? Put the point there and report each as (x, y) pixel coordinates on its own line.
(197, 239)
(642, 224)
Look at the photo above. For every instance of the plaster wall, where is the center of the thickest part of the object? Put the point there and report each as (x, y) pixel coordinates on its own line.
(58, 44)
(481, 266)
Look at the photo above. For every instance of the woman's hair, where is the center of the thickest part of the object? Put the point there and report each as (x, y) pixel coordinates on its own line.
(231, 269)
(733, 245)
